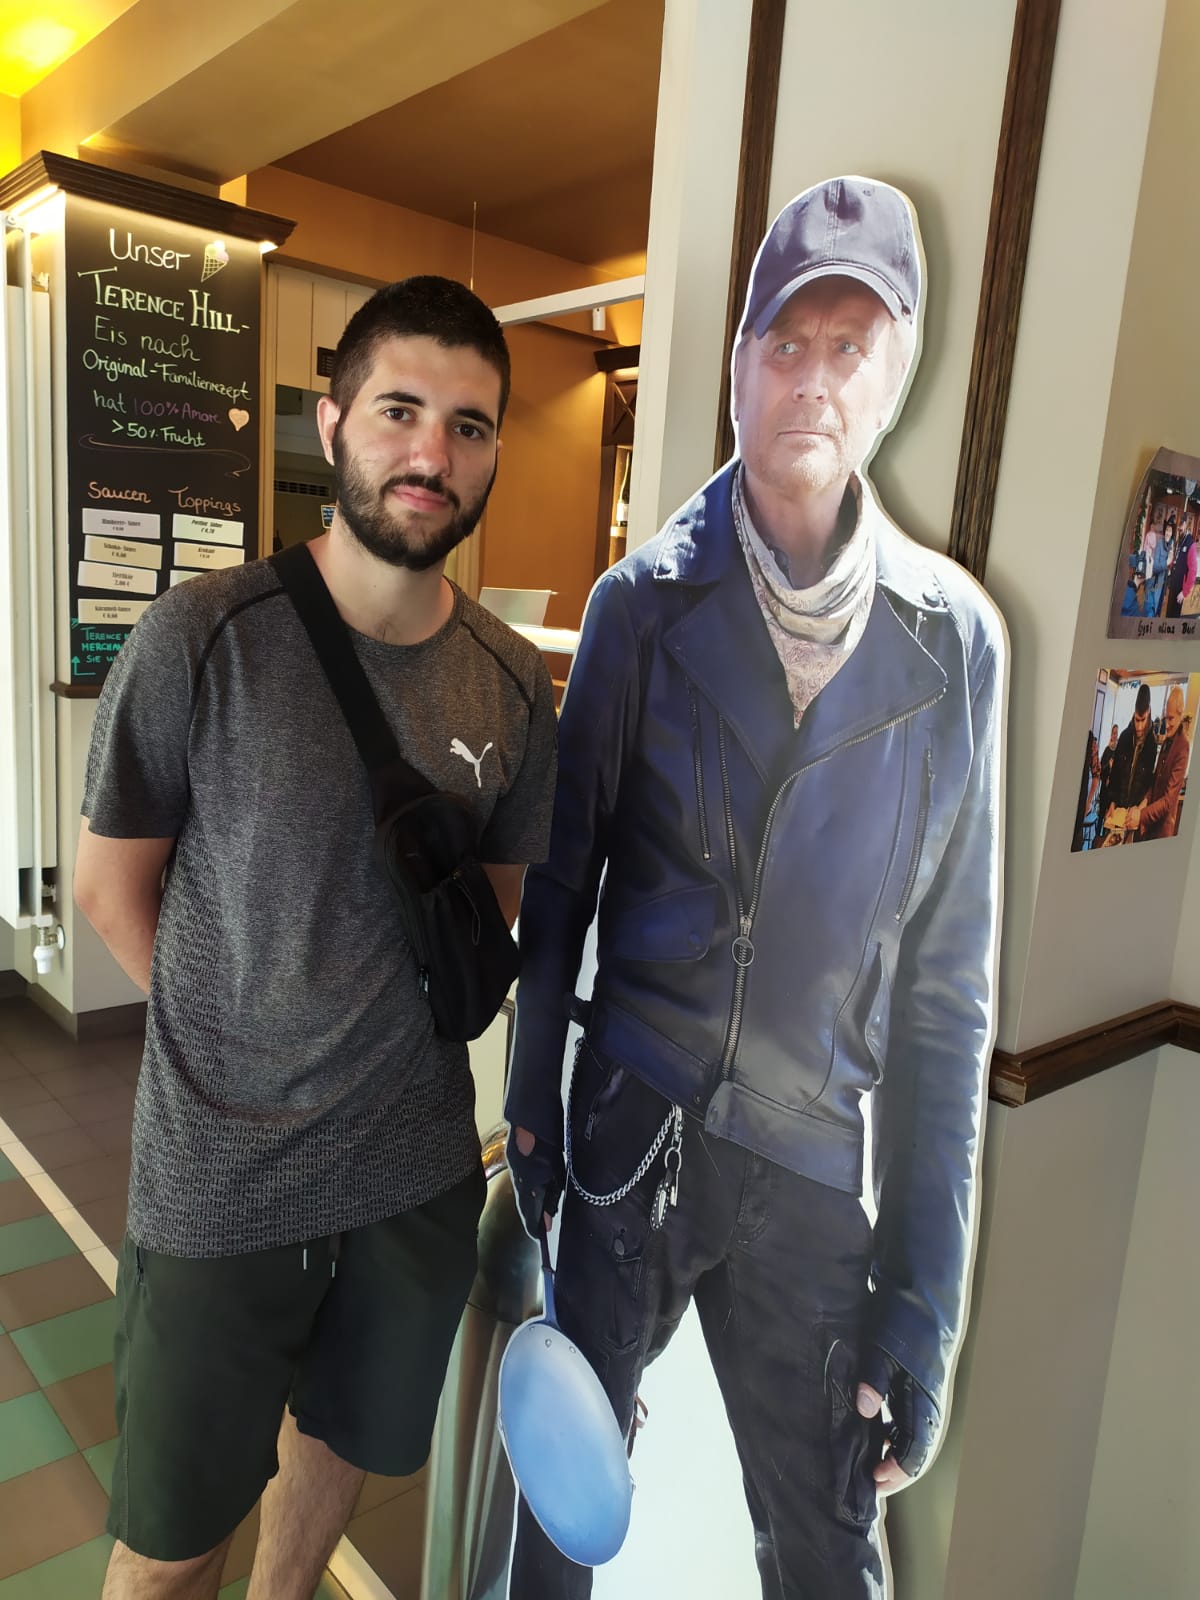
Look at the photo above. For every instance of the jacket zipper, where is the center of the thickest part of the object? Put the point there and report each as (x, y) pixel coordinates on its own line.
(743, 945)
(910, 880)
(698, 764)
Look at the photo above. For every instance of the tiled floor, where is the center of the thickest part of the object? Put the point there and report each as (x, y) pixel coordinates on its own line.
(65, 1113)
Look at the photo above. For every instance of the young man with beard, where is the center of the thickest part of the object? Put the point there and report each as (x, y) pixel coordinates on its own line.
(1132, 770)
(306, 1179)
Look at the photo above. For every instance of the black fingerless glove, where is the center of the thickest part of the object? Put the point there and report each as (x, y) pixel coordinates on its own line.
(916, 1419)
(538, 1180)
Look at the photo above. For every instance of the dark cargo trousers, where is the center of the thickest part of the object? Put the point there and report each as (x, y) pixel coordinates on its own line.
(778, 1268)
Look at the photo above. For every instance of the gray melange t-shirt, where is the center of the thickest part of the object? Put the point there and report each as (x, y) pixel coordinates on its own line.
(292, 1083)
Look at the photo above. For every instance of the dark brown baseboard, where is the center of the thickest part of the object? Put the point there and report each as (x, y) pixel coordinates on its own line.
(12, 985)
(1017, 1078)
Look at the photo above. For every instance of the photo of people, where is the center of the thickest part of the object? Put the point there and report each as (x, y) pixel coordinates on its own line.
(1155, 593)
(1136, 757)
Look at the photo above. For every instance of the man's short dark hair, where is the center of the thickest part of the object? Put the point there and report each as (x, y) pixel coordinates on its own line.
(1142, 704)
(424, 307)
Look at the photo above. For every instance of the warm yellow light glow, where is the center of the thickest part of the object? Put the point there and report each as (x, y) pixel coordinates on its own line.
(266, 246)
(39, 212)
(40, 43)
(34, 39)
(31, 202)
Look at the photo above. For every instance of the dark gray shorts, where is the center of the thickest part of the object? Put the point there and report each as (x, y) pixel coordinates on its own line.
(353, 1332)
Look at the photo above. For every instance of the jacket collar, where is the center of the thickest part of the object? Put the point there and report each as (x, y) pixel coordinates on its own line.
(722, 643)
(699, 543)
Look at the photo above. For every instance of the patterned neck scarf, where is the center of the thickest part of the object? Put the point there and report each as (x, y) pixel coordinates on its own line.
(814, 630)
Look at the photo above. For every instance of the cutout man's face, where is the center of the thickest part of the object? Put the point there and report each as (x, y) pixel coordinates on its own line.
(813, 394)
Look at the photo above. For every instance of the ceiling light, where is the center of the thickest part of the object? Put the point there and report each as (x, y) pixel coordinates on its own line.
(40, 44)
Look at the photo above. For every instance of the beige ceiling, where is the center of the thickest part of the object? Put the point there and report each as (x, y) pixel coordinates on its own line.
(541, 111)
(554, 139)
(215, 91)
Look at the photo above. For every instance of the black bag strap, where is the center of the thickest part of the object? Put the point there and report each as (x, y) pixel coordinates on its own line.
(392, 777)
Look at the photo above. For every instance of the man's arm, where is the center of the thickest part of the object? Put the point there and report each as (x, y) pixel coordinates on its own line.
(1152, 812)
(596, 731)
(931, 1098)
(118, 887)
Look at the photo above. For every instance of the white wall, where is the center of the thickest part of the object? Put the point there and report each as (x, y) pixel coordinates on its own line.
(1142, 1534)
(1063, 489)
(1052, 1251)
(911, 94)
(697, 140)
(1155, 400)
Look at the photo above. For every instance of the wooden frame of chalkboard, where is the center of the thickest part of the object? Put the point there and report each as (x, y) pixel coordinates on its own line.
(162, 294)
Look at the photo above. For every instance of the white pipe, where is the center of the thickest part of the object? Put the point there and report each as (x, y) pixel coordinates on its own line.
(9, 667)
(614, 293)
(40, 917)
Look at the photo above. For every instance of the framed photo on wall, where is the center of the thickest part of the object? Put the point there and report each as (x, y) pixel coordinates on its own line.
(1137, 751)
(1155, 590)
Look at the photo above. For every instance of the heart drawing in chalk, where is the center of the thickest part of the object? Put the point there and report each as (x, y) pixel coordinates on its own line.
(239, 418)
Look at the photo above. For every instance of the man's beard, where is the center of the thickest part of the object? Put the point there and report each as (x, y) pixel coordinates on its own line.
(383, 532)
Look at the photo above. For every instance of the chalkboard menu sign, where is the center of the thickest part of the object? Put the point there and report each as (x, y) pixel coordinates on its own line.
(162, 351)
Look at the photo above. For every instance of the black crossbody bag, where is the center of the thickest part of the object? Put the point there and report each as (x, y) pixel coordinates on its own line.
(426, 839)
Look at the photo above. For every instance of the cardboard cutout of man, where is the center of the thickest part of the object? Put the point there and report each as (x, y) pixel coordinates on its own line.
(781, 747)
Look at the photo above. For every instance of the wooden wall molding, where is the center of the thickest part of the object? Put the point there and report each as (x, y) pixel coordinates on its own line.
(754, 180)
(126, 189)
(1014, 185)
(1017, 1078)
(1035, 30)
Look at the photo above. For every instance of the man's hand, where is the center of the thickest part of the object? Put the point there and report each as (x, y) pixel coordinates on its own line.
(538, 1174)
(915, 1417)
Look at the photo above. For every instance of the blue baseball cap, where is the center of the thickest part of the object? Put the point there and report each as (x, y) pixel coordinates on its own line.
(845, 228)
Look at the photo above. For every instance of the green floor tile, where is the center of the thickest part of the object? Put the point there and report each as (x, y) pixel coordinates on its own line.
(7, 1170)
(29, 1243)
(75, 1575)
(234, 1591)
(101, 1458)
(75, 1342)
(30, 1435)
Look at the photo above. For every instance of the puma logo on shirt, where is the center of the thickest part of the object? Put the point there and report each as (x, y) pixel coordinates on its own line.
(458, 748)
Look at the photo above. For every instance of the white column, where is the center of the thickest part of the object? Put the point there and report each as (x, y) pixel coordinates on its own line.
(696, 149)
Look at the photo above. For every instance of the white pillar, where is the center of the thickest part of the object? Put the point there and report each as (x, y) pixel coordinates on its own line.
(696, 149)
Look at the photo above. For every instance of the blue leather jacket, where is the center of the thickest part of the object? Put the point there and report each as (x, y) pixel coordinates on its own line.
(792, 920)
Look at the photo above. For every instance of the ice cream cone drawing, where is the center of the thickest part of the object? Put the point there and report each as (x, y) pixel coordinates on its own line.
(215, 257)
